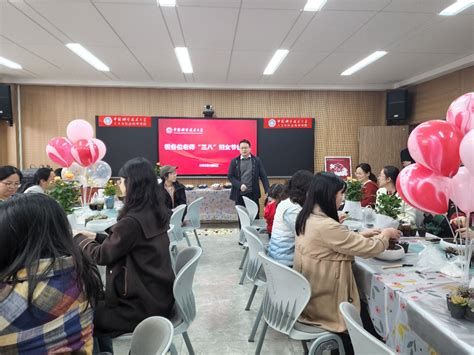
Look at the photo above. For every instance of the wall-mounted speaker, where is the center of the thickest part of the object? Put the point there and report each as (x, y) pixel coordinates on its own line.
(6, 113)
(397, 105)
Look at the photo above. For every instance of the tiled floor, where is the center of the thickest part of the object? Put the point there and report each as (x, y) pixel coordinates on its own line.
(222, 326)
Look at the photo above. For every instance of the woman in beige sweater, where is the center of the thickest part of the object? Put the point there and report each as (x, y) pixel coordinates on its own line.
(325, 251)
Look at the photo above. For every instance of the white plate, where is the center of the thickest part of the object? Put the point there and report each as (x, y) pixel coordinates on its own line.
(445, 245)
(100, 225)
(391, 255)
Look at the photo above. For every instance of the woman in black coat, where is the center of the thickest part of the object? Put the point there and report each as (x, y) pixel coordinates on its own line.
(175, 192)
(139, 275)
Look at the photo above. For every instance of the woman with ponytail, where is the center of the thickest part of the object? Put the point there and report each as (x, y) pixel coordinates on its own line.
(364, 174)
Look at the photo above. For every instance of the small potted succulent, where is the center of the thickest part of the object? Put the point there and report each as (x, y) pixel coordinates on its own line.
(457, 305)
(110, 191)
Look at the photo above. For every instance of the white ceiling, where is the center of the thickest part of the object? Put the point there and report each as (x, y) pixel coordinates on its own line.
(231, 41)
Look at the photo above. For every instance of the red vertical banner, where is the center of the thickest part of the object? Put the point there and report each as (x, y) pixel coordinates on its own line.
(340, 166)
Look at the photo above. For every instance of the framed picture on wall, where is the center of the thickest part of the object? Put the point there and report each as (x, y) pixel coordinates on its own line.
(340, 166)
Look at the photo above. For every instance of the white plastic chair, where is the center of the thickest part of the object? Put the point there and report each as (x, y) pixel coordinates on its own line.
(363, 342)
(252, 209)
(173, 245)
(244, 222)
(184, 311)
(177, 221)
(153, 336)
(254, 268)
(194, 217)
(286, 296)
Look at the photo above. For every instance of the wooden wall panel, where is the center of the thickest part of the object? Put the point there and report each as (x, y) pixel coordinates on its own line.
(432, 98)
(381, 146)
(46, 111)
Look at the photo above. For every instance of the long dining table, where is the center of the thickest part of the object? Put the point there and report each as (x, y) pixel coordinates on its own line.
(407, 304)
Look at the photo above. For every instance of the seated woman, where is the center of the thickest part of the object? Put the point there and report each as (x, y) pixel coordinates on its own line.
(387, 181)
(282, 243)
(364, 174)
(325, 251)
(176, 194)
(41, 181)
(47, 287)
(10, 181)
(139, 275)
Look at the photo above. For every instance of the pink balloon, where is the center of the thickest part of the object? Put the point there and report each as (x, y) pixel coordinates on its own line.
(79, 129)
(461, 112)
(101, 146)
(466, 150)
(423, 189)
(58, 150)
(462, 190)
(435, 145)
(85, 152)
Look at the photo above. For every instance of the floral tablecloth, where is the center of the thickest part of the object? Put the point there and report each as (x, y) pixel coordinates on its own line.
(216, 205)
(408, 308)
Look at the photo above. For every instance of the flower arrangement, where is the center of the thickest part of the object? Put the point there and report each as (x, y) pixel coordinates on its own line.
(157, 168)
(354, 190)
(389, 205)
(67, 194)
(110, 189)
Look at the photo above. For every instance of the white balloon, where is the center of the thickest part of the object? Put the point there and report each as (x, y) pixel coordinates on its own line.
(98, 174)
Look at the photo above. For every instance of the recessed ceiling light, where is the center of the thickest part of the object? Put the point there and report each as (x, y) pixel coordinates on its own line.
(314, 5)
(167, 3)
(275, 62)
(8, 63)
(457, 7)
(87, 56)
(184, 60)
(364, 62)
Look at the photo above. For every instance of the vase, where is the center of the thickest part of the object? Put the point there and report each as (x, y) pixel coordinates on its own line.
(354, 209)
(109, 202)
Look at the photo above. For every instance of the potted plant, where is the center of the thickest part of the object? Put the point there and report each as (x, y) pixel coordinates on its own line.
(110, 191)
(67, 194)
(457, 305)
(388, 208)
(353, 197)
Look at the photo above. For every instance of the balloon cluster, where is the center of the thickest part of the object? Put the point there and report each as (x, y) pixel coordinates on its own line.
(439, 147)
(80, 155)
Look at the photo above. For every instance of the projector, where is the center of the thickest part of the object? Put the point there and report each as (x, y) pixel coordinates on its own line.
(208, 111)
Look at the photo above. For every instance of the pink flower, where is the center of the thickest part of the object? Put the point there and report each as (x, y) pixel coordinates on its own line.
(400, 275)
(377, 309)
(414, 297)
(403, 306)
(391, 295)
(397, 349)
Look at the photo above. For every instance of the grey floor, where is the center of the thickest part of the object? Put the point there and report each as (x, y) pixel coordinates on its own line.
(222, 325)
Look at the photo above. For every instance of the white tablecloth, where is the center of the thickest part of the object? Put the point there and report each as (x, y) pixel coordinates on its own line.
(408, 307)
(216, 205)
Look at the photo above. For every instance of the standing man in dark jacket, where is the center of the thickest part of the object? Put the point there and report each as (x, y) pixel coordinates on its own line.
(245, 172)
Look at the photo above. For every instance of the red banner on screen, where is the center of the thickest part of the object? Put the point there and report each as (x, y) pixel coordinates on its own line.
(125, 121)
(203, 146)
(340, 166)
(288, 123)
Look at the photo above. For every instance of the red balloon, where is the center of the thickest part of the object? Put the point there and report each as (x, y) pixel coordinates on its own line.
(423, 189)
(435, 145)
(58, 150)
(85, 152)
